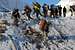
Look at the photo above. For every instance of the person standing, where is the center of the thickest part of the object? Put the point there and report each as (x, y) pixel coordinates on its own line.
(45, 9)
(64, 11)
(27, 11)
(56, 12)
(52, 11)
(16, 16)
(71, 10)
(36, 8)
(59, 10)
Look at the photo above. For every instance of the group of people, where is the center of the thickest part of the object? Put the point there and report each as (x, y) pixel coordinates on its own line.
(47, 10)
(52, 11)
(10, 41)
(41, 29)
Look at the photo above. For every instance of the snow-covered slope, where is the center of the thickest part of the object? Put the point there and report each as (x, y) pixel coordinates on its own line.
(60, 37)
(66, 2)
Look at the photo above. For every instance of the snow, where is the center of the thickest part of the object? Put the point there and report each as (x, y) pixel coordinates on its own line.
(65, 2)
(58, 27)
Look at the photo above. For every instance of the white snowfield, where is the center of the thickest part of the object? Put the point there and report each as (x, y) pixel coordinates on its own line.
(61, 35)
